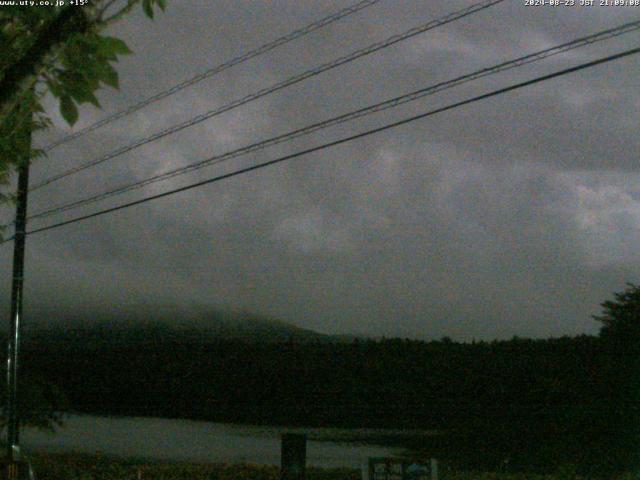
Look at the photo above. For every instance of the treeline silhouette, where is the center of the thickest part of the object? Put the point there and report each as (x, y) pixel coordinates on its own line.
(516, 404)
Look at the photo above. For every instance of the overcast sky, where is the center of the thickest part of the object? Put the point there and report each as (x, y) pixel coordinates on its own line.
(517, 215)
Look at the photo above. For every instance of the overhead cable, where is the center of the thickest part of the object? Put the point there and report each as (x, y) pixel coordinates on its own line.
(274, 88)
(350, 138)
(378, 107)
(267, 47)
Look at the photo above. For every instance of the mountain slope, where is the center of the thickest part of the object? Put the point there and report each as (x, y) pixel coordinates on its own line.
(167, 324)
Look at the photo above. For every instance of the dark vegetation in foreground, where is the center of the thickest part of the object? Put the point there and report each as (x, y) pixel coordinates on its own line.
(96, 467)
(520, 404)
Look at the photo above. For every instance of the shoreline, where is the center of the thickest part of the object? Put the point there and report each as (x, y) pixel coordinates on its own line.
(200, 442)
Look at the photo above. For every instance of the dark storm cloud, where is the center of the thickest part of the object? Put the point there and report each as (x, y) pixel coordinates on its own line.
(517, 215)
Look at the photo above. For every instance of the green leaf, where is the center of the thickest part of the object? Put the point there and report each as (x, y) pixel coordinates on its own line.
(68, 110)
(54, 87)
(80, 85)
(105, 52)
(109, 76)
(114, 45)
(147, 6)
(84, 95)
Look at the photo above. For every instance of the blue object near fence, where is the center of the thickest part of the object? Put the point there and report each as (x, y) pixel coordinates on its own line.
(401, 469)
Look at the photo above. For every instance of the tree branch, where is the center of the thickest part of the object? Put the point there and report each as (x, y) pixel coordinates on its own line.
(104, 9)
(120, 13)
(22, 75)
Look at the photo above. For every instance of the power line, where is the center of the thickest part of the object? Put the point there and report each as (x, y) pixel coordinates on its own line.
(276, 87)
(323, 22)
(378, 107)
(344, 140)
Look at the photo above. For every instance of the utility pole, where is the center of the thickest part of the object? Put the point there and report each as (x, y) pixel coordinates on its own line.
(13, 426)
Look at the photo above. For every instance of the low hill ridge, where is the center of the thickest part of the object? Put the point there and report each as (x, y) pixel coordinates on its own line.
(168, 324)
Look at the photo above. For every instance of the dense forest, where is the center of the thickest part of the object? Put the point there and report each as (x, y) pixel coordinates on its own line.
(526, 403)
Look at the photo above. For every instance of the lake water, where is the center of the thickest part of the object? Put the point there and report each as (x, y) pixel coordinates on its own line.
(164, 439)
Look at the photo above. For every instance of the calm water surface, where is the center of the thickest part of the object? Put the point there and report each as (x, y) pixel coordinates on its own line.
(164, 439)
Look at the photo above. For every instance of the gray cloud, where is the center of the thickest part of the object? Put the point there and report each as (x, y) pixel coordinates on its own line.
(514, 216)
